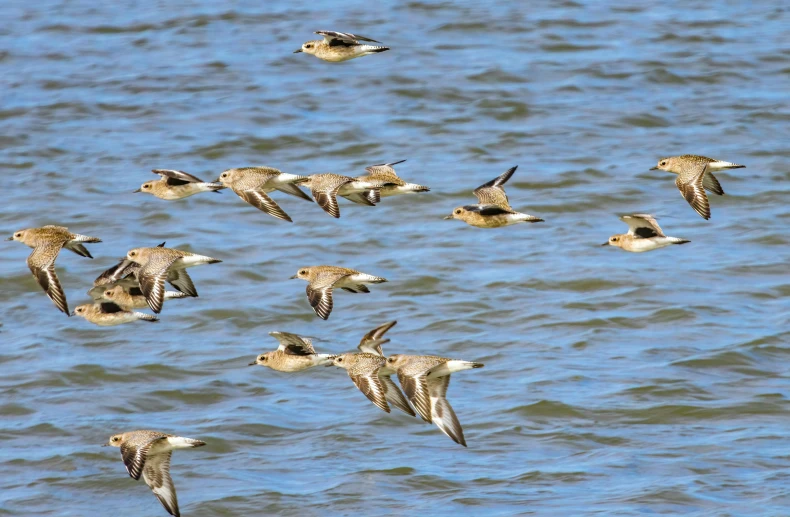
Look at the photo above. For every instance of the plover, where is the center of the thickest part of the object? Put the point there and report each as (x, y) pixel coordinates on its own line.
(176, 185)
(340, 46)
(108, 314)
(424, 379)
(46, 243)
(326, 187)
(322, 279)
(695, 177)
(128, 298)
(644, 234)
(364, 368)
(148, 453)
(253, 183)
(295, 353)
(160, 264)
(493, 209)
(392, 185)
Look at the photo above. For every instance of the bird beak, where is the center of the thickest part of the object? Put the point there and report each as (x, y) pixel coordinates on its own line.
(252, 363)
(297, 51)
(136, 191)
(10, 238)
(72, 313)
(105, 445)
(605, 243)
(448, 217)
(217, 180)
(292, 277)
(654, 168)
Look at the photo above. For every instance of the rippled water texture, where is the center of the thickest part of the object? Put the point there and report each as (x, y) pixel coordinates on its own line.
(615, 383)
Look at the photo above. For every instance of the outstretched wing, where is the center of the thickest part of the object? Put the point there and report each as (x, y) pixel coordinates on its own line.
(343, 39)
(42, 264)
(372, 341)
(442, 412)
(642, 225)
(293, 344)
(157, 476)
(320, 300)
(175, 177)
(371, 386)
(493, 192)
(264, 203)
(416, 389)
(394, 395)
(692, 189)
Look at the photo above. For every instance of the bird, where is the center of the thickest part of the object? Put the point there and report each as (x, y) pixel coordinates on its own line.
(295, 353)
(108, 314)
(253, 183)
(128, 298)
(695, 176)
(176, 185)
(147, 454)
(424, 379)
(326, 187)
(493, 209)
(47, 242)
(322, 279)
(160, 264)
(644, 234)
(393, 185)
(340, 46)
(364, 368)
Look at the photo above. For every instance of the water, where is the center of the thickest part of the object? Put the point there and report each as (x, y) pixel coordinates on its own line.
(615, 383)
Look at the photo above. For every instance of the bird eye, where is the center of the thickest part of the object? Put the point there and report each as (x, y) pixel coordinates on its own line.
(339, 359)
(107, 293)
(458, 211)
(614, 239)
(391, 360)
(308, 46)
(146, 186)
(132, 253)
(303, 272)
(663, 163)
(224, 175)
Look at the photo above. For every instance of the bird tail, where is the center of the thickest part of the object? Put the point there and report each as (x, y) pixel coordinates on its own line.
(170, 295)
(85, 238)
(373, 49)
(413, 187)
(530, 218)
(676, 240)
(452, 366)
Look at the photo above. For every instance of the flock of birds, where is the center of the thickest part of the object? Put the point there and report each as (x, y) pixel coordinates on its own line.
(138, 280)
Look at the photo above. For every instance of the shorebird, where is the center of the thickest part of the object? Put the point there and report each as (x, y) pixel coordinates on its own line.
(493, 209)
(322, 279)
(147, 454)
(108, 314)
(392, 184)
(253, 183)
(326, 187)
(176, 185)
(160, 264)
(364, 369)
(295, 353)
(644, 234)
(47, 242)
(424, 379)
(340, 46)
(695, 177)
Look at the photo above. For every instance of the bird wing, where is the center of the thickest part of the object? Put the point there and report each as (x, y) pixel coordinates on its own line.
(264, 203)
(156, 474)
(711, 184)
(372, 341)
(135, 455)
(152, 278)
(442, 412)
(180, 279)
(327, 199)
(320, 300)
(416, 389)
(493, 192)
(180, 177)
(370, 384)
(42, 264)
(109, 307)
(345, 39)
(489, 209)
(642, 225)
(292, 344)
(395, 396)
(690, 186)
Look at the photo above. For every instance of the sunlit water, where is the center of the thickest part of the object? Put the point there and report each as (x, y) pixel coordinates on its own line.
(615, 383)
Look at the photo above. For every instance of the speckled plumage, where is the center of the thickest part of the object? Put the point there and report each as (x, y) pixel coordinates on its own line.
(47, 242)
(322, 279)
(424, 379)
(326, 187)
(159, 264)
(340, 46)
(295, 353)
(252, 184)
(493, 209)
(109, 314)
(176, 185)
(129, 298)
(392, 184)
(695, 177)
(644, 234)
(147, 453)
